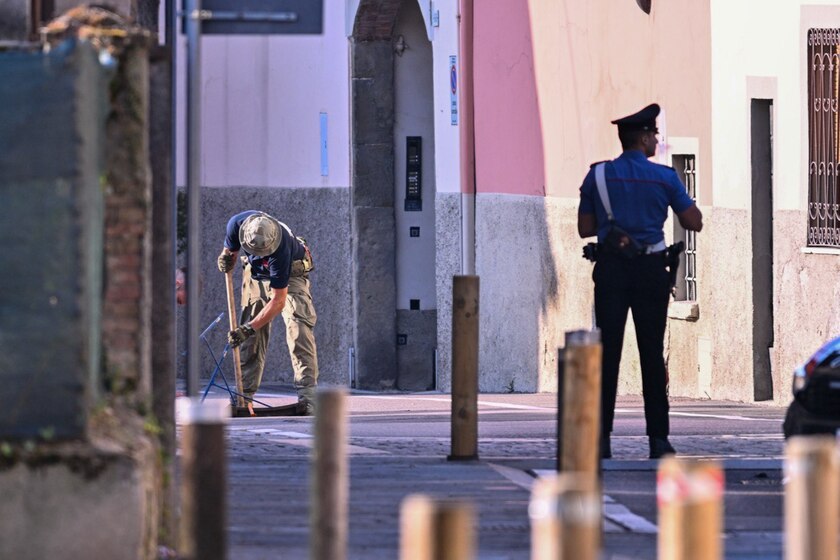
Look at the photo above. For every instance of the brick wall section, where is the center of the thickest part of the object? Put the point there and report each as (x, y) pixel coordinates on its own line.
(375, 19)
(126, 308)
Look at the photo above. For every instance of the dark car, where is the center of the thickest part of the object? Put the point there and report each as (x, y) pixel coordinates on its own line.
(816, 394)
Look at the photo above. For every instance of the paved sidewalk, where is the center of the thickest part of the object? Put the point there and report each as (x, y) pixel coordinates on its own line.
(398, 445)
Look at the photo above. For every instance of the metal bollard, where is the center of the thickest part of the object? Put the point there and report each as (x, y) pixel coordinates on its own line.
(329, 489)
(203, 533)
(561, 373)
(565, 512)
(581, 410)
(690, 497)
(812, 498)
(436, 529)
(464, 368)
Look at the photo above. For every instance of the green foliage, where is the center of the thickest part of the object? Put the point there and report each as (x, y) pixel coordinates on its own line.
(151, 427)
(48, 433)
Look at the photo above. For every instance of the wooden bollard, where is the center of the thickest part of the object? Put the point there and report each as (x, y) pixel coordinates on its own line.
(565, 512)
(464, 368)
(329, 489)
(812, 498)
(436, 529)
(690, 497)
(204, 479)
(581, 410)
(417, 528)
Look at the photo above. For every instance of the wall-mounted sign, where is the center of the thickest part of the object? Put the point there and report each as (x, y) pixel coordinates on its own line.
(413, 175)
(262, 17)
(453, 89)
(325, 165)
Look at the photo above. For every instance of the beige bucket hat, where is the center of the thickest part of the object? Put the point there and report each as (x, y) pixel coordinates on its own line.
(260, 234)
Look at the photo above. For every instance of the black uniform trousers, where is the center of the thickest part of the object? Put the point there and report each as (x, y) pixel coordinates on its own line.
(641, 285)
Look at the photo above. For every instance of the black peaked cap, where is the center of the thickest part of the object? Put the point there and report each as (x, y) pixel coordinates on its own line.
(643, 120)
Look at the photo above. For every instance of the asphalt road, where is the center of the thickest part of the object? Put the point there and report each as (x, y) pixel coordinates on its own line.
(398, 444)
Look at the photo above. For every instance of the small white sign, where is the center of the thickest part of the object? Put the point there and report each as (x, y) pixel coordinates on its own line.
(325, 166)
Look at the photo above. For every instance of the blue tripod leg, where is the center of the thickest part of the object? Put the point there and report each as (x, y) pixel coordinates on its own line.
(218, 369)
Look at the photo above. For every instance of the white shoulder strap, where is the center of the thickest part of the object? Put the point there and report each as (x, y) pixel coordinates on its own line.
(601, 181)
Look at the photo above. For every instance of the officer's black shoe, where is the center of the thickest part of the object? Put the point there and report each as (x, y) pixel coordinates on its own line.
(606, 452)
(659, 447)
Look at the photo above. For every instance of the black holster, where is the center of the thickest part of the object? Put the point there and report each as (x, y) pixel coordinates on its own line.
(672, 260)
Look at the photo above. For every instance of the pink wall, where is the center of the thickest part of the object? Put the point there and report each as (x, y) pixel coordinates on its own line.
(508, 138)
(598, 60)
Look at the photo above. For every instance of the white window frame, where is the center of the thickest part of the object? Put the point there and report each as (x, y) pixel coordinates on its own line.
(682, 307)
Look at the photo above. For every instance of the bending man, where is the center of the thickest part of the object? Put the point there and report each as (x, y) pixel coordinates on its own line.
(275, 280)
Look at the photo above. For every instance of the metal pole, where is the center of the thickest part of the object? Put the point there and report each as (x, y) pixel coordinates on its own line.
(561, 369)
(466, 134)
(193, 25)
(171, 30)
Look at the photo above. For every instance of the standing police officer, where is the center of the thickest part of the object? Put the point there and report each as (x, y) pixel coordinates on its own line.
(634, 277)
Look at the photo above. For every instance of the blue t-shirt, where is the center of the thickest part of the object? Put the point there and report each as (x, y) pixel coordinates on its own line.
(276, 267)
(640, 193)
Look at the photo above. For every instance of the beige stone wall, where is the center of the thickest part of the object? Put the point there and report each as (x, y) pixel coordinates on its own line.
(806, 305)
(806, 301)
(535, 287)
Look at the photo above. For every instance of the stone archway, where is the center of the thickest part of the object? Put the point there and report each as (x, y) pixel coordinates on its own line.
(372, 194)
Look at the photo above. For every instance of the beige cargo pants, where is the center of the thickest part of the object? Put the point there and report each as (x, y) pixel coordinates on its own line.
(299, 316)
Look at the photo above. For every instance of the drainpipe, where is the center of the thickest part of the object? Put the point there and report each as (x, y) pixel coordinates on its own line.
(466, 132)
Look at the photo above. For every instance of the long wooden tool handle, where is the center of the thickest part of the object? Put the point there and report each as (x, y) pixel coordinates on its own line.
(237, 365)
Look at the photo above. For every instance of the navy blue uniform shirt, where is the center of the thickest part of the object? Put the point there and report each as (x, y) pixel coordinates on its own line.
(276, 267)
(640, 193)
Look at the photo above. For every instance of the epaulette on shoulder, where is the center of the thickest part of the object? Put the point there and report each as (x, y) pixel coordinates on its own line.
(597, 162)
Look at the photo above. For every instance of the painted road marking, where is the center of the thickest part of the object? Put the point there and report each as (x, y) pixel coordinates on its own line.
(702, 415)
(554, 409)
(309, 442)
(306, 440)
(481, 403)
(513, 407)
(617, 518)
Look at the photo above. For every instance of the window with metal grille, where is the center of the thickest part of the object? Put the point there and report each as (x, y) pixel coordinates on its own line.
(823, 137)
(686, 288)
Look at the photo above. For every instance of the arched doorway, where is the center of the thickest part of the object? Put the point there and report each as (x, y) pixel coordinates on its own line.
(392, 201)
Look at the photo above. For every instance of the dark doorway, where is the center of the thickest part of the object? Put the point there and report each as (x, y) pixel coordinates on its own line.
(761, 113)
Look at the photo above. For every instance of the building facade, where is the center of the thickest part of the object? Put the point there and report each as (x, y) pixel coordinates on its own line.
(353, 138)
